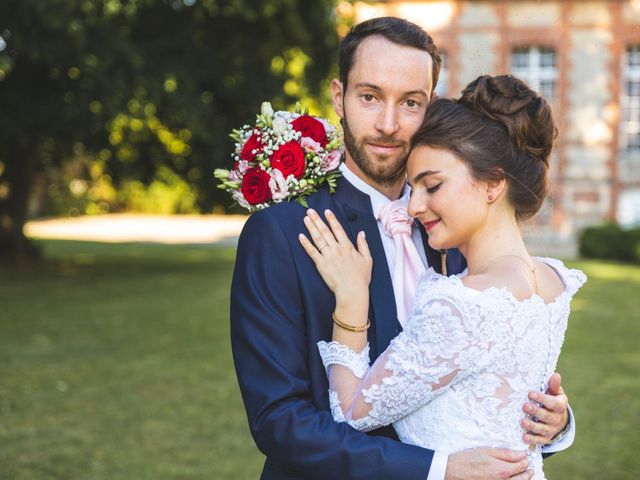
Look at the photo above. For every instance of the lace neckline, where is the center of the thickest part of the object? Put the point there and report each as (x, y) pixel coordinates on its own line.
(557, 266)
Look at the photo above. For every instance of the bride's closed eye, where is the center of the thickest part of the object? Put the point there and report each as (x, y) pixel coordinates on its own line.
(434, 189)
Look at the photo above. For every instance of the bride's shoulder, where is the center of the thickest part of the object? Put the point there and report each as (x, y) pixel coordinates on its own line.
(571, 278)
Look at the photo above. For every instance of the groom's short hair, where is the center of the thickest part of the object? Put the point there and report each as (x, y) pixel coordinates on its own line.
(396, 30)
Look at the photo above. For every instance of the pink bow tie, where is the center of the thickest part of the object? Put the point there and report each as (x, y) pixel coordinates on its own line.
(409, 267)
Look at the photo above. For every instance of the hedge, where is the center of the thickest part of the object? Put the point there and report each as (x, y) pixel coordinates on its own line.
(612, 242)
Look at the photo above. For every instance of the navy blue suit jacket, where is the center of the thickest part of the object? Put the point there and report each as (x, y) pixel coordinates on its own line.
(280, 309)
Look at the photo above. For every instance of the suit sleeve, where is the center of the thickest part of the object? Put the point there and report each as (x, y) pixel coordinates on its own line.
(269, 345)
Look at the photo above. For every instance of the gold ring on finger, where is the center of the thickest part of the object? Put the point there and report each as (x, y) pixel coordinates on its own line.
(320, 247)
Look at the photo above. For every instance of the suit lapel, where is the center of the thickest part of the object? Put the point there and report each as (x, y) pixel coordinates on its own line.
(382, 302)
(358, 216)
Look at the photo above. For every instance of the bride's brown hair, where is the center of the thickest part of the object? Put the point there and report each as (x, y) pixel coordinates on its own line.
(500, 128)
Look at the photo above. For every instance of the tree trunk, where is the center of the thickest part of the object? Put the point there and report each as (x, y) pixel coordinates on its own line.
(18, 176)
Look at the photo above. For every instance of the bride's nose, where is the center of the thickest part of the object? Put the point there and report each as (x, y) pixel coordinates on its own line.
(416, 205)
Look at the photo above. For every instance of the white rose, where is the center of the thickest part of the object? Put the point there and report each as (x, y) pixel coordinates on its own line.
(279, 126)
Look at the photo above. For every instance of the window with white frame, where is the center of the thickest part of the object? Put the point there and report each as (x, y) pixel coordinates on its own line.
(442, 87)
(630, 100)
(538, 67)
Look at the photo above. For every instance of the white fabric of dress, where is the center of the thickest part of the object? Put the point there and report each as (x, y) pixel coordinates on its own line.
(459, 373)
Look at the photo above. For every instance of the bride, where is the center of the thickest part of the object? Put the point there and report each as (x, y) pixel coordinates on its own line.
(475, 343)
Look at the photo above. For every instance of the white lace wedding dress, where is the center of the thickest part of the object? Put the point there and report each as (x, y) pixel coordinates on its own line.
(458, 375)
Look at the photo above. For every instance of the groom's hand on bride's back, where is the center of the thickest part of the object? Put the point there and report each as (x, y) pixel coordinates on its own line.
(488, 464)
(549, 415)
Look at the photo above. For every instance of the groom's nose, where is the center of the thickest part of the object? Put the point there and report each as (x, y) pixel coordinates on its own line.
(387, 121)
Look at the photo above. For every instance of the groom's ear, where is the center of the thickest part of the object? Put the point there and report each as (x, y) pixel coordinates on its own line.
(337, 97)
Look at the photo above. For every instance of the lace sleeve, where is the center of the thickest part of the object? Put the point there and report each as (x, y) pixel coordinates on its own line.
(334, 353)
(440, 346)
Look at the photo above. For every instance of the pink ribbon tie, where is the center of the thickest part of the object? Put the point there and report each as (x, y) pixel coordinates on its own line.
(409, 267)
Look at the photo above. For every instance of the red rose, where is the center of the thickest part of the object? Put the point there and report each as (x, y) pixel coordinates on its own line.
(255, 186)
(312, 128)
(289, 159)
(252, 143)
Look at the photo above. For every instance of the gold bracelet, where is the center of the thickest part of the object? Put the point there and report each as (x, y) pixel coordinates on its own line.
(350, 327)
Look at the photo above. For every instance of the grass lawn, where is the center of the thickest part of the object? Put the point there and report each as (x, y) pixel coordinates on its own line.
(115, 363)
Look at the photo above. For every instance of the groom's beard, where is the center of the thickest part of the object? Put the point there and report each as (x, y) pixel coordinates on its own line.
(385, 170)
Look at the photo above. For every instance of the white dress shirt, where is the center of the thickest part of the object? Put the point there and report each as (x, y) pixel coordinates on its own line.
(379, 200)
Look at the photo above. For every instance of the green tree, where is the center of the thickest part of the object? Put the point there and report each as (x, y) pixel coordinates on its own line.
(144, 86)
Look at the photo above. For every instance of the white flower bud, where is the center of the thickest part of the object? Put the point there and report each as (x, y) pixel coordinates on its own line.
(266, 110)
(221, 173)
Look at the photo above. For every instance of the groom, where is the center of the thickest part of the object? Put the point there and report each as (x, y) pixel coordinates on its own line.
(280, 307)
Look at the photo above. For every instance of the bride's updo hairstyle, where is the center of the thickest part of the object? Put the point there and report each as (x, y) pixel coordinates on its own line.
(501, 129)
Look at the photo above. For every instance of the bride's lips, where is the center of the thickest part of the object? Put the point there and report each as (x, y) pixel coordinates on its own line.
(429, 225)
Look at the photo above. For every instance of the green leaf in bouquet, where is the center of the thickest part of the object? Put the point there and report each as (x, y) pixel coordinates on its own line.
(333, 144)
(236, 135)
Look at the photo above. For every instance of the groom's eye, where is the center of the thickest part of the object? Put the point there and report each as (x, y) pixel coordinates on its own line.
(412, 103)
(368, 97)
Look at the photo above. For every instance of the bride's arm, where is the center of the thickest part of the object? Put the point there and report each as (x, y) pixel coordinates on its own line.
(438, 346)
(347, 272)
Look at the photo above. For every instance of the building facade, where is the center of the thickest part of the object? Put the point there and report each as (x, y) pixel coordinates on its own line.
(582, 55)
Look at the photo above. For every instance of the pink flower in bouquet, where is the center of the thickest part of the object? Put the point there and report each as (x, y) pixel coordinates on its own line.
(239, 167)
(328, 128)
(242, 166)
(234, 176)
(331, 161)
(240, 200)
(278, 185)
(310, 145)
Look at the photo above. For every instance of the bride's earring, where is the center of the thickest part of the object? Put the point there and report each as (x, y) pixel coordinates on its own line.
(490, 198)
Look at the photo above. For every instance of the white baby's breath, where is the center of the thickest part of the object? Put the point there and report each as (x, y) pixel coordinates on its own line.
(273, 130)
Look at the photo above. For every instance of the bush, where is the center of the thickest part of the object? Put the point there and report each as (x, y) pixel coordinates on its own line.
(167, 194)
(610, 242)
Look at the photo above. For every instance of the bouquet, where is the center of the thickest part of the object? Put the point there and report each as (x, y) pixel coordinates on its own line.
(286, 155)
